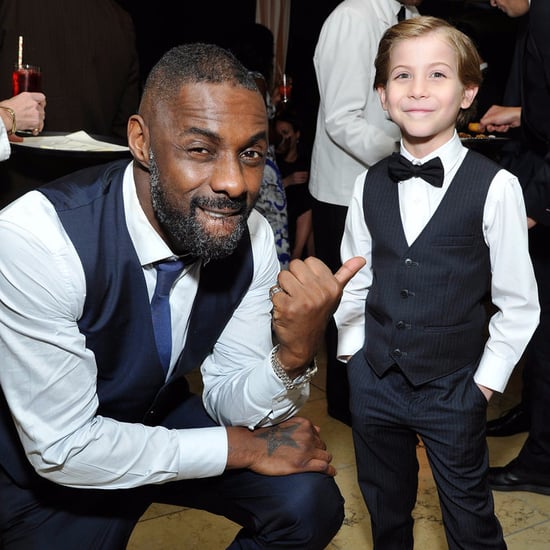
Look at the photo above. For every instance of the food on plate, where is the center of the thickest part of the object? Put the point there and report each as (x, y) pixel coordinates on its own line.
(475, 127)
(475, 131)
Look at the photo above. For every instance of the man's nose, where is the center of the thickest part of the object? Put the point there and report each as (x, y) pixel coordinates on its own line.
(228, 177)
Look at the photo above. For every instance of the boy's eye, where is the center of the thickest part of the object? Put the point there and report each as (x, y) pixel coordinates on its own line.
(438, 74)
(401, 76)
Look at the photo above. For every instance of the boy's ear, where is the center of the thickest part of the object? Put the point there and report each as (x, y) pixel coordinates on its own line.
(469, 96)
(382, 94)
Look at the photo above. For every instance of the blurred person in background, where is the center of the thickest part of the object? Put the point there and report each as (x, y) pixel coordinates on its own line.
(88, 57)
(527, 109)
(23, 112)
(293, 162)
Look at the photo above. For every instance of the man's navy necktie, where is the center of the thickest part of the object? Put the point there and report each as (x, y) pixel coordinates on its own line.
(167, 272)
(401, 169)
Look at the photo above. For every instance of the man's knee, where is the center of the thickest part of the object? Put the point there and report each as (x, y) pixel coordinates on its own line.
(314, 511)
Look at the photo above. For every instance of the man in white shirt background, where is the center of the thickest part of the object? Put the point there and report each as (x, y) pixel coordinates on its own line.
(352, 133)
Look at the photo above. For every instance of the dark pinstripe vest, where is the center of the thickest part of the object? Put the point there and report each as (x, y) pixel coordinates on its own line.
(117, 315)
(424, 311)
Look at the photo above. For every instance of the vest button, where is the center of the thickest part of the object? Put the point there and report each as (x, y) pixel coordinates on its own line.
(408, 262)
(404, 293)
(400, 324)
(397, 353)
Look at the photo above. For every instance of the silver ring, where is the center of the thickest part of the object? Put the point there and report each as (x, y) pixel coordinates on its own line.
(273, 290)
(35, 131)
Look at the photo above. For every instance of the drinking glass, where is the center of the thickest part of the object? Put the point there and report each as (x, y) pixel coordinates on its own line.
(26, 78)
(285, 88)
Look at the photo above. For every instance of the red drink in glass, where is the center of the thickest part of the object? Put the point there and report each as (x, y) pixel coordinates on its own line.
(285, 88)
(26, 78)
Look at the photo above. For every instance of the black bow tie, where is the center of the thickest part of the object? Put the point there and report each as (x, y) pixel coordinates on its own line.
(401, 169)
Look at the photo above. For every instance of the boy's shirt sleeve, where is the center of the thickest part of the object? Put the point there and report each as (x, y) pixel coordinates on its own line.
(350, 315)
(513, 284)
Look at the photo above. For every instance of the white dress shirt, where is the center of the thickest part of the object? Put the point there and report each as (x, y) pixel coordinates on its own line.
(5, 149)
(49, 375)
(353, 131)
(513, 286)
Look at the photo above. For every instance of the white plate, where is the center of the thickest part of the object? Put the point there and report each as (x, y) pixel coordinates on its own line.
(75, 142)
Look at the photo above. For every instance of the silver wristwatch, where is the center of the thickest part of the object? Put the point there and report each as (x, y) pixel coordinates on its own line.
(288, 382)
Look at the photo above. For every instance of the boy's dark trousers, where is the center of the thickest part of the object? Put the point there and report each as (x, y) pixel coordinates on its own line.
(449, 415)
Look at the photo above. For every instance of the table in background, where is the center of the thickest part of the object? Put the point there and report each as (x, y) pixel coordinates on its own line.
(30, 167)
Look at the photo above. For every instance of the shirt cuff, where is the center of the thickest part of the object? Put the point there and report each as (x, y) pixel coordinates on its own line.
(493, 372)
(350, 340)
(5, 148)
(203, 452)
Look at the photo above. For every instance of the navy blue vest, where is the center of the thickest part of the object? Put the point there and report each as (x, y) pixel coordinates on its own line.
(117, 315)
(424, 311)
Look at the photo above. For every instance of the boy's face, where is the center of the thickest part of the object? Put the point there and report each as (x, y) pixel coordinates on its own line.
(424, 94)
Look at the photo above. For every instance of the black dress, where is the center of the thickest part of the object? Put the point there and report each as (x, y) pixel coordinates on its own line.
(297, 196)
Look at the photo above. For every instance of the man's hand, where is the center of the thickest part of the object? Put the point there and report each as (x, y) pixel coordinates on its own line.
(500, 119)
(291, 447)
(29, 108)
(310, 295)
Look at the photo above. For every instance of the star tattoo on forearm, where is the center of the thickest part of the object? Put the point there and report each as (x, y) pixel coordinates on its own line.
(277, 437)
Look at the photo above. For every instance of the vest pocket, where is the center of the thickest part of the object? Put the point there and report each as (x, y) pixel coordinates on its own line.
(449, 329)
(453, 240)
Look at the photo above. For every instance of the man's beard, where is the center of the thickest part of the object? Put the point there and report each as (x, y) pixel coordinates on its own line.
(186, 234)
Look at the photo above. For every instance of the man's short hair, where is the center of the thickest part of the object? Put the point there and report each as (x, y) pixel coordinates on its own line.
(194, 63)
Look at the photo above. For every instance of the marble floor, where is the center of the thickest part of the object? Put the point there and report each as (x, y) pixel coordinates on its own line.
(525, 517)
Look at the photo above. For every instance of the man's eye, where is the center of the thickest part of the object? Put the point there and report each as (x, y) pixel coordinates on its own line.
(253, 157)
(438, 74)
(401, 76)
(198, 150)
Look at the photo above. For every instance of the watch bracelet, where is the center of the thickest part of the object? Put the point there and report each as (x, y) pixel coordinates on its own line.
(281, 373)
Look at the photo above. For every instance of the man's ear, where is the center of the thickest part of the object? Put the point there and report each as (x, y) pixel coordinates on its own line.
(138, 140)
(469, 96)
